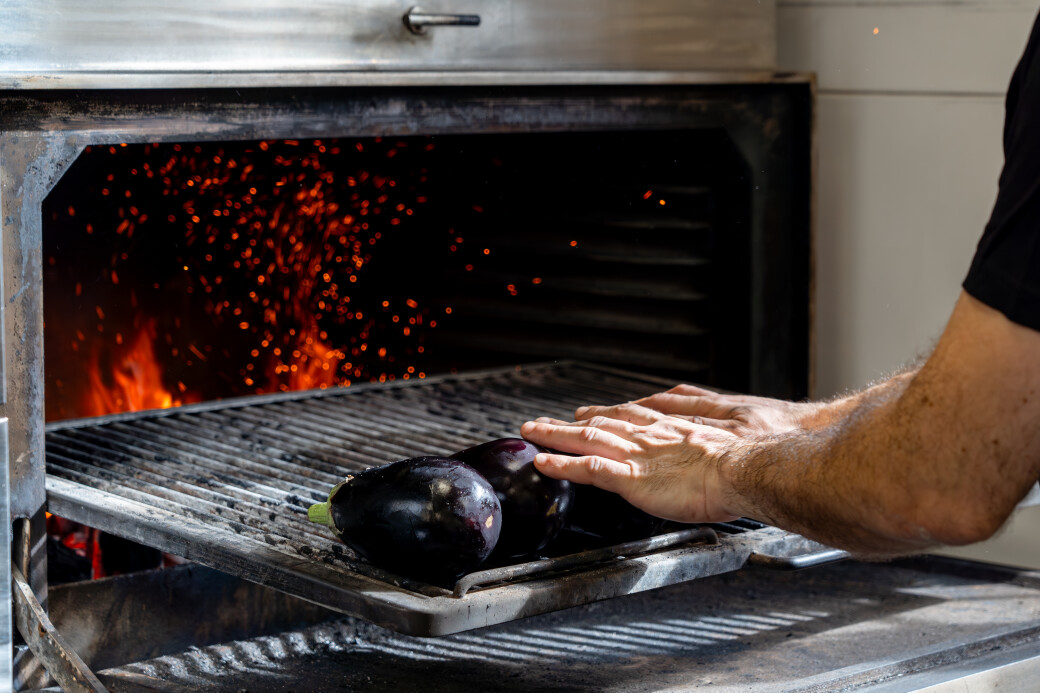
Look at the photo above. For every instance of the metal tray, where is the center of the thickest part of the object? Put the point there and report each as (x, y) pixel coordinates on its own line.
(227, 484)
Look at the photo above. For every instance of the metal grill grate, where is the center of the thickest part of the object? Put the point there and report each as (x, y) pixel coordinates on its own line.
(228, 484)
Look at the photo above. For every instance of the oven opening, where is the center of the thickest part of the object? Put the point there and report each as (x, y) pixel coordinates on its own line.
(237, 258)
(184, 272)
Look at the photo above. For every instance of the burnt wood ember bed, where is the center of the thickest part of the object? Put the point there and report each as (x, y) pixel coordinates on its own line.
(228, 484)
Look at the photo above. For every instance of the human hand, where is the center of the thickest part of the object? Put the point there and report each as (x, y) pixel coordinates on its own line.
(665, 465)
(742, 415)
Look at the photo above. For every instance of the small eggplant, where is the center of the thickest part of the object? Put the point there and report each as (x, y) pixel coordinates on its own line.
(534, 506)
(428, 518)
(609, 516)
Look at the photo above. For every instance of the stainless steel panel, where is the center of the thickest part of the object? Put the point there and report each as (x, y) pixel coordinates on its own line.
(67, 43)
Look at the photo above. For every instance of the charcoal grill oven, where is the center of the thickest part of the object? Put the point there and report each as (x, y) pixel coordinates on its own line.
(226, 483)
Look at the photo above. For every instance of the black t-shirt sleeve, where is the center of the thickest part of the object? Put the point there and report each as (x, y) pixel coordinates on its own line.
(1005, 273)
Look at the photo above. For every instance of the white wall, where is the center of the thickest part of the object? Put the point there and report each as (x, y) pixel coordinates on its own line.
(909, 136)
(909, 127)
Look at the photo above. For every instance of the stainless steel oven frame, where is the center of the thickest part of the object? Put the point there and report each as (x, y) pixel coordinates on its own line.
(74, 74)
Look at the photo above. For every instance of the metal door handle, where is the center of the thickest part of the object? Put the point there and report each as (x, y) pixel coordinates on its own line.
(417, 19)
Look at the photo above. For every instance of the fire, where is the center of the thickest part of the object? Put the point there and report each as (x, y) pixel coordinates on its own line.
(129, 377)
(238, 269)
(130, 380)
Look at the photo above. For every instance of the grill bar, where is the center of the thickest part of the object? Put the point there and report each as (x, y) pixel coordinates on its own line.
(228, 485)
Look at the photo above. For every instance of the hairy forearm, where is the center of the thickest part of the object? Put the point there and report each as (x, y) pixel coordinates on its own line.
(824, 481)
(937, 456)
(893, 470)
(822, 415)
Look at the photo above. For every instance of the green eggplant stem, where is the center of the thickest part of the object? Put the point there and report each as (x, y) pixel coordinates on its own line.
(320, 513)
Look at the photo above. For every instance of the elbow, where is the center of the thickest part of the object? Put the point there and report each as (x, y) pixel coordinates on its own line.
(966, 503)
(961, 531)
(957, 520)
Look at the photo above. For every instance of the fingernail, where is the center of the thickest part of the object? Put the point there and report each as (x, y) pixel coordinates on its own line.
(527, 426)
(543, 419)
(540, 459)
(580, 411)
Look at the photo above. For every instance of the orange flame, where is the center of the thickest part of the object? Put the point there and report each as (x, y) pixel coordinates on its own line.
(136, 379)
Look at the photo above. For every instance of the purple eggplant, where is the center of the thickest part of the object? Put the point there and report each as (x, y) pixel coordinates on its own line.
(428, 518)
(534, 506)
(609, 516)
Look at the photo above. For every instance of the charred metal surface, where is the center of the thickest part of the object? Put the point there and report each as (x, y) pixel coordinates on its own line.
(777, 139)
(228, 484)
(130, 618)
(847, 626)
(105, 117)
(30, 164)
(29, 552)
(60, 661)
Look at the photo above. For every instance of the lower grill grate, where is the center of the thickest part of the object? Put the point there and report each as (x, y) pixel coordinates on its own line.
(228, 484)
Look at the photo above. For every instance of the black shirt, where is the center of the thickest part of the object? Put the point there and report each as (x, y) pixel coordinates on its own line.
(1005, 273)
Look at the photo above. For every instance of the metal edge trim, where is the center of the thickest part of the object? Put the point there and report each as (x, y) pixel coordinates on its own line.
(584, 559)
(377, 78)
(917, 661)
(1010, 670)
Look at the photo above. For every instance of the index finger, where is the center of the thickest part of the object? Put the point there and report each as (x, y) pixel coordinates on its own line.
(603, 473)
(578, 440)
